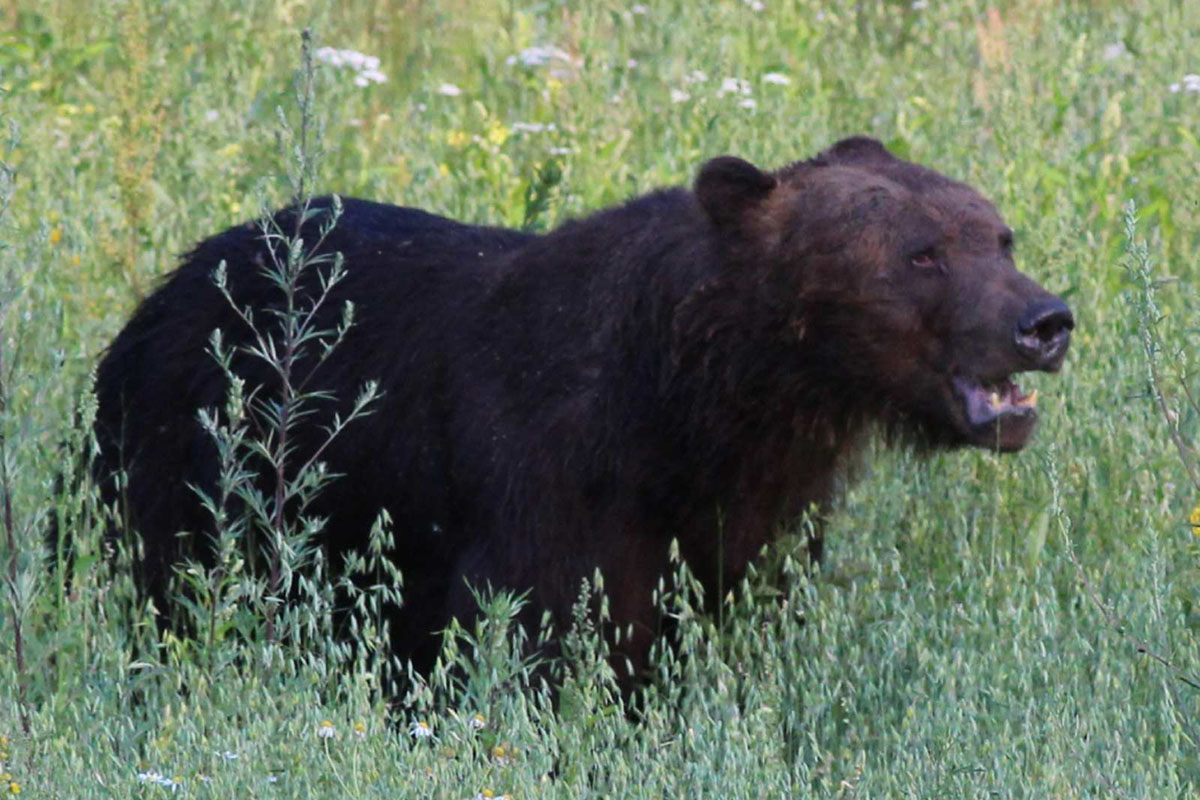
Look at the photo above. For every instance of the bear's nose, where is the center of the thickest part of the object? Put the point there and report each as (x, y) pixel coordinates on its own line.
(1044, 332)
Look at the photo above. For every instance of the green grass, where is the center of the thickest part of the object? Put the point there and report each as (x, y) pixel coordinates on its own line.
(986, 626)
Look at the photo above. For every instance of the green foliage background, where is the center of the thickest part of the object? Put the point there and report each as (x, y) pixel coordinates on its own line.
(1005, 627)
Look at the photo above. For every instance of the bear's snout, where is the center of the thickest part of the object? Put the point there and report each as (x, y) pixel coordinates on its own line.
(1043, 333)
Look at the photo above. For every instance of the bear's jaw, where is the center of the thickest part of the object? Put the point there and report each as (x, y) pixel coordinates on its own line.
(996, 413)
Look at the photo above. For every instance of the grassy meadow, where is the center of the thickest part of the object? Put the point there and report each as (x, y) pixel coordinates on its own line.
(1005, 627)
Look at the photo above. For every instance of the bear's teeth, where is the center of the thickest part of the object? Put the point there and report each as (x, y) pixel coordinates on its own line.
(994, 400)
(1029, 401)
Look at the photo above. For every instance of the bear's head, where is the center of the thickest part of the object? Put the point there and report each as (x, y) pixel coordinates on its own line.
(893, 287)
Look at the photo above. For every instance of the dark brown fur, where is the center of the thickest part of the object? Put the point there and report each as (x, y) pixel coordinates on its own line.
(693, 365)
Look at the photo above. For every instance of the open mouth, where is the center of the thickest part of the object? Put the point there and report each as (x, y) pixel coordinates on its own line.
(997, 412)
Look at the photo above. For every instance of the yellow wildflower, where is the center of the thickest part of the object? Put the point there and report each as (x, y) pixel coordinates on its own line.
(504, 754)
(55, 236)
(458, 138)
(1194, 519)
(497, 133)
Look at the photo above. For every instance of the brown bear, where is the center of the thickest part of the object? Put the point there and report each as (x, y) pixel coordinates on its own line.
(695, 365)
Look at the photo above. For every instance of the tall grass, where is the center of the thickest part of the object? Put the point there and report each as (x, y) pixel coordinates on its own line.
(985, 626)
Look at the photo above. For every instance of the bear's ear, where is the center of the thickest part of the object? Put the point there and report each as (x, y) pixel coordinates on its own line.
(729, 187)
(857, 150)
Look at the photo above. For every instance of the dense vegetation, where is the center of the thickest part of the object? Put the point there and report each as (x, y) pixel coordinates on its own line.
(985, 626)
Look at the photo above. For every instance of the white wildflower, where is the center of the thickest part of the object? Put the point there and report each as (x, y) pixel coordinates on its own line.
(777, 78)
(369, 76)
(679, 96)
(329, 55)
(532, 127)
(449, 90)
(734, 86)
(639, 9)
(476, 722)
(538, 56)
(695, 76)
(1189, 83)
(560, 151)
(749, 103)
(326, 730)
(420, 730)
(920, 5)
(1114, 51)
(631, 63)
(755, 5)
(157, 778)
(366, 67)
(212, 115)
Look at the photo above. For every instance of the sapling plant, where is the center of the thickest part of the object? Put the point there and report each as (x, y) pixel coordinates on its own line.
(263, 533)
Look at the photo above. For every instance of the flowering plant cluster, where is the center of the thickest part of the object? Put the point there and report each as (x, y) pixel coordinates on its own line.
(365, 67)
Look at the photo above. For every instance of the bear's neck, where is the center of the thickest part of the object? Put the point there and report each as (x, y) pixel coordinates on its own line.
(684, 353)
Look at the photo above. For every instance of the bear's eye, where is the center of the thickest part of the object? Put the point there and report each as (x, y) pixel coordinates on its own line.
(925, 259)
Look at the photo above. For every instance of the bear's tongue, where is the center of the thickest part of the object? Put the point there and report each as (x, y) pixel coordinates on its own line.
(986, 402)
